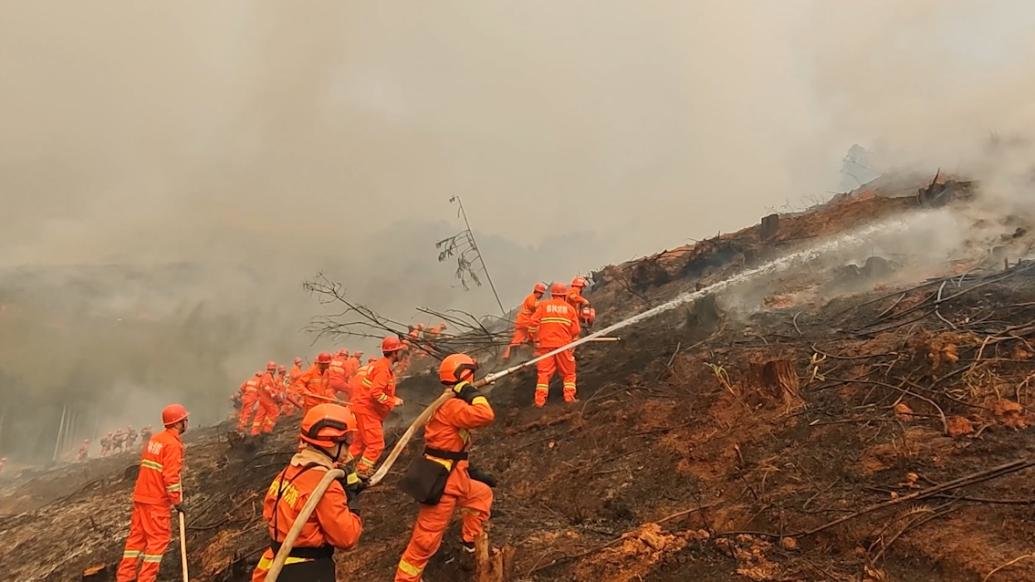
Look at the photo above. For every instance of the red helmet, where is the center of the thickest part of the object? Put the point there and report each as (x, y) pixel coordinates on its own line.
(578, 282)
(281, 370)
(539, 288)
(558, 289)
(391, 344)
(456, 368)
(324, 358)
(271, 366)
(174, 413)
(298, 360)
(327, 424)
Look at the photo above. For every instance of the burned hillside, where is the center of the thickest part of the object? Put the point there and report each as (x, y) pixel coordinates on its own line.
(860, 414)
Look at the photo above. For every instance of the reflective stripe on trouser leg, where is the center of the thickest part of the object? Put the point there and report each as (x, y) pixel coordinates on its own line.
(159, 535)
(566, 366)
(544, 371)
(149, 531)
(431, 525)
(373, 437)
(136, 541)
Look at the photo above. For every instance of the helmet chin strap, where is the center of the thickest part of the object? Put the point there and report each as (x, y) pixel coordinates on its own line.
(337, 452)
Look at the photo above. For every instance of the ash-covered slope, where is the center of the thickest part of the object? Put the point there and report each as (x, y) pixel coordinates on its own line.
(718, 441)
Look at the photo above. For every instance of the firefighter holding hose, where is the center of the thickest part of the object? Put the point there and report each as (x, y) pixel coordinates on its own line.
(157, 490)
(335, 524)
(443, 480)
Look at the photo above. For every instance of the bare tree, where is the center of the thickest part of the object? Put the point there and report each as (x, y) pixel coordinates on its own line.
(464, 247)
(468, 333)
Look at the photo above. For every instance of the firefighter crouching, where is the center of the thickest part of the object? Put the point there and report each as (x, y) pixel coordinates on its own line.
(335, 524)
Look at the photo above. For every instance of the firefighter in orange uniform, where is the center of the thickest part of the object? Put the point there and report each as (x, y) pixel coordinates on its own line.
(555, 324)
(374, 400)
(286, 406)
(296, 370)
(335, 523)
(249, 400)
(157, 490)
(580, 303)
(269, 407)
(524, 316)
(337, 376)
(447, 438)
(311, 386)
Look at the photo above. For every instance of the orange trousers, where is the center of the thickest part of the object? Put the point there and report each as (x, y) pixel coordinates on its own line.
(266, 417)
(564, 363)
(248, 402)
(474, 499)
(369, 442)
(149, 535)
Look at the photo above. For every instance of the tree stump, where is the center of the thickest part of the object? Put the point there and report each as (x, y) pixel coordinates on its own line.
(778, 382)
(492, 564)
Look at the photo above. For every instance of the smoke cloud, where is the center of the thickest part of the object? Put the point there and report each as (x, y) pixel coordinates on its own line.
(171, 173)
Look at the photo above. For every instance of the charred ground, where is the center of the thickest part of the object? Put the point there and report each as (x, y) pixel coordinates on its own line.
(712, 443)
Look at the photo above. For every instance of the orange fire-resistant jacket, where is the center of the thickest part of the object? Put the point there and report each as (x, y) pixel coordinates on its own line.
(311, 382)
(555, 323)
(295, 373)
(450, 426)
(330, 524)
(159, 480)
(250, 385)
(268, 389)
(356, 388)
(337, 379)
(378, 388)
(351, 367)
(576, 299)
(528, 306)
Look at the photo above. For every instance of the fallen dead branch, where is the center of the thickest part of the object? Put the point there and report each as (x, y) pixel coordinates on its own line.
(1007, 565)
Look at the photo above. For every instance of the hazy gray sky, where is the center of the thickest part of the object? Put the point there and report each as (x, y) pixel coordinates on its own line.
(136, 131)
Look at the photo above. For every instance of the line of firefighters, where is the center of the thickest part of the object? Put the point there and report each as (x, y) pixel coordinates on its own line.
(442, 481)
(276, 391)
(115, 441)
(350, 436)
(549, 324)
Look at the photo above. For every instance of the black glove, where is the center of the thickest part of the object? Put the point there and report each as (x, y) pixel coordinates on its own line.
(181, 507)
(353, 486)
(479, 475)
(467, 392)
